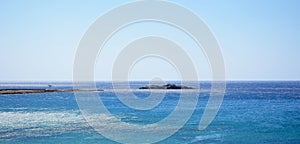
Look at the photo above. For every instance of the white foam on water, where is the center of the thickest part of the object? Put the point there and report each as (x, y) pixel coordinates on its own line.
(200, 138)
(18, 124)
(21, 124)
(33, 124)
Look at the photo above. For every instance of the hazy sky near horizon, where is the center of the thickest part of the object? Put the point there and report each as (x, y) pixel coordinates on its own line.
(260, 40)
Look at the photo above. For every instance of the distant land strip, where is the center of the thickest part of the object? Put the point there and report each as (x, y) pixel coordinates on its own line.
(24, 91)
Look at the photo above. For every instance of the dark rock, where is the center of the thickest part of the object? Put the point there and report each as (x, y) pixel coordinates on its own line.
(167, 86)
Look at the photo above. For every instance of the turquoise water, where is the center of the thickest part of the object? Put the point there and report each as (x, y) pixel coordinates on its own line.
(252, 112)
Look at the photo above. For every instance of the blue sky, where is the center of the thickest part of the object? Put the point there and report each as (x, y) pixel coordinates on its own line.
(260, 40)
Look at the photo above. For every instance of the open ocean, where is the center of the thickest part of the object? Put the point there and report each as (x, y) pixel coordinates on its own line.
(251, 112)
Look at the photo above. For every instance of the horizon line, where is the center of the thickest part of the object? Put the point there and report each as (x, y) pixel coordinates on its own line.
(229, 80)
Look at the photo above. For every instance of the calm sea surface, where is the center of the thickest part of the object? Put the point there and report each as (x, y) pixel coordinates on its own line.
(251, 112)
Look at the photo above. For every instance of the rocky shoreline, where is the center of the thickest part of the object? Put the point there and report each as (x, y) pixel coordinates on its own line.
(25, 91)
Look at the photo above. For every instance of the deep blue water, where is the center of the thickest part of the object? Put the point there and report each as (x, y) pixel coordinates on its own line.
(251, 112)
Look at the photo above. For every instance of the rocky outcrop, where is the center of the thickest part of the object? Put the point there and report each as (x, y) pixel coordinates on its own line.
(167, 86)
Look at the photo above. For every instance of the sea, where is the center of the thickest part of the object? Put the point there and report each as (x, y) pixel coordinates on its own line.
(251, 112)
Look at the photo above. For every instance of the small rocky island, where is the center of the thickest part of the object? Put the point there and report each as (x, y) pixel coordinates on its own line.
(167, 86)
